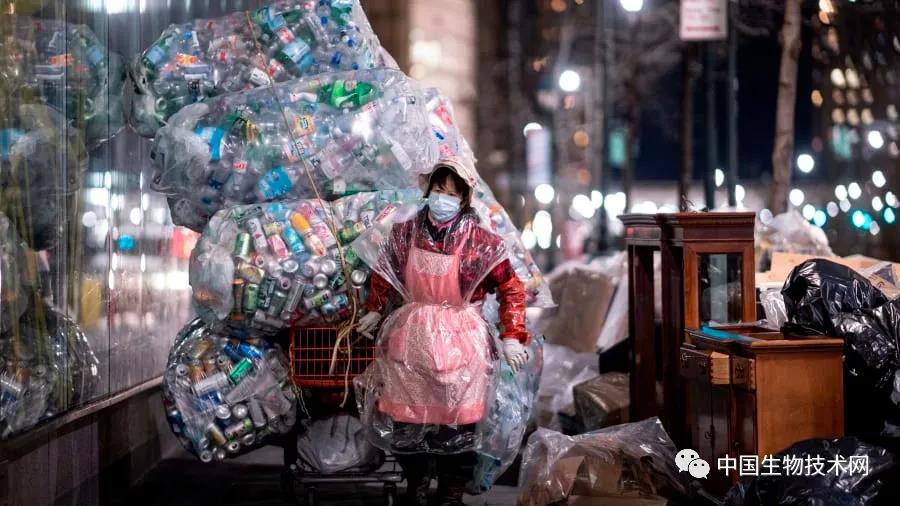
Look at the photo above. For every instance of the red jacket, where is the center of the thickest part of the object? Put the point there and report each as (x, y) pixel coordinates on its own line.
(501, 280)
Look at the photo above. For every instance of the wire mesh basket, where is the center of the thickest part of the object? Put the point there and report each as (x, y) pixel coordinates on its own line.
(311, 353)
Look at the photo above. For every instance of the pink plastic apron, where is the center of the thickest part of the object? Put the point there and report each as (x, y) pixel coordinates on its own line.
(438, 359)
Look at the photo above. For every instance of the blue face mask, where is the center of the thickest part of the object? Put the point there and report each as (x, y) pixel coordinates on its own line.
(443, 207)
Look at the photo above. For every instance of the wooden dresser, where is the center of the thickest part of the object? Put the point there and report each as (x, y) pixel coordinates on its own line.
(751, 391)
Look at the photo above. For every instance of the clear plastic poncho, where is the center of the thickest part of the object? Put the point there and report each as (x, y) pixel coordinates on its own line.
(348, 132)
(13, 298)
(434, 377)
(225, 396)
(261, 268)
(274, 43)
(65, 66)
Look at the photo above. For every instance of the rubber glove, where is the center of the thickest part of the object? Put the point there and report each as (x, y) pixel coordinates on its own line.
(368, 323)
(515, 354)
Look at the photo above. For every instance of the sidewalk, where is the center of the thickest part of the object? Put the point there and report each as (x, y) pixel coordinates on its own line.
(255, 479)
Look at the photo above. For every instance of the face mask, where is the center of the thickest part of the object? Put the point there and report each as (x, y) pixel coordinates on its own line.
(443, 207)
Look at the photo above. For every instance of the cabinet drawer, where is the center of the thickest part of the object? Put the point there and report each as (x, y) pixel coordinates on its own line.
(707, 366)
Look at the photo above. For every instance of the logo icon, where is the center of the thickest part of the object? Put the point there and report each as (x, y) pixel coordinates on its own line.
(690, 461)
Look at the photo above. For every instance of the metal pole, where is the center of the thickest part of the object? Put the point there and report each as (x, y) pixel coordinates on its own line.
(731, 173)
(712, 148)
(598, 121)
(608, 28)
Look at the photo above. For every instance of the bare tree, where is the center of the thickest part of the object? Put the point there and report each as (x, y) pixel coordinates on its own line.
(783, 151)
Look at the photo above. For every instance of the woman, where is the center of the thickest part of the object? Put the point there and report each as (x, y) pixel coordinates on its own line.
(434, 376)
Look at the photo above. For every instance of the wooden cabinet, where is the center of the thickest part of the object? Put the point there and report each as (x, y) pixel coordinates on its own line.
(753, 391)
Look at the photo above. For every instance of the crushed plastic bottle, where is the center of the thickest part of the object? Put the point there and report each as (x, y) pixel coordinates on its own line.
(349, 132)
(246, 49)
(66, 67)
(225, 396)
(261, 268)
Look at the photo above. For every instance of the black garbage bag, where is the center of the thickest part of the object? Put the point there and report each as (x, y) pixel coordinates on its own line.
(874, 480)
(818, 291)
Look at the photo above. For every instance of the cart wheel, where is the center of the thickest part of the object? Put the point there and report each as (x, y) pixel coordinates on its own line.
(311, 495)
(390, 494)
(288, 487)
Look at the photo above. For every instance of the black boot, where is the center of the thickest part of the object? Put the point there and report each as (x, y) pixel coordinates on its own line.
(451, 489)
(417, 471)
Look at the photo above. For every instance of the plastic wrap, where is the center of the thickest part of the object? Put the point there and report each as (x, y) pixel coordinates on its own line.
(349, 132)
(451, 143)
(773, 306)
(224, 396)
(629, 460)
(278, 42)
(602, 401)
(883, 276)
(432, 382)
(845, 485)
(34, 182)
(337, 444)
(788, 232)
(818, 291)
(261, 268)
(48, 367)
(65, 66)
(563, 369)
(13, 275)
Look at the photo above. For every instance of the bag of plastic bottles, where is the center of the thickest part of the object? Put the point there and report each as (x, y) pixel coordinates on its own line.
(48, 367)
(347, 132)
(225, 396)
(13, 299)
(34, 184)
(263, 267)
(66, 67)
(278, 42)
(451, 143)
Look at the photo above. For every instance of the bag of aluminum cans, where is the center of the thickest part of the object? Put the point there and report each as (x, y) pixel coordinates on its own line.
(278, 42)
(48, 367)
(451, 143)
(347, 132)
(66, 67)
(34, 181)
(263, 267)
(225, 396)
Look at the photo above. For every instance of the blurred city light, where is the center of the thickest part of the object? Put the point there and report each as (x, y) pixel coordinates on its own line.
(832, 209)
(544, 193)
(891, 199)
(805, 163)
(875, 139)
(765, 216)
(819, 218)
(877, 205)
(531, 127)
(858, 218)
(840, 191)
(854, 190)
(739, 193)
(632, 5)
(582, 205)
(543, 228)
(874, 228)
(889, 216)
(845, 205)
(809, 211)
(597, 199)
(528, 238)
(720, 177)
(878, 178)
(569, 81)
(796, 196)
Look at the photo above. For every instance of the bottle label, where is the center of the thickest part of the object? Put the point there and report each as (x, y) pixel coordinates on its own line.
(304, 125)
(214, 137)
(183, 59)
(259, 77)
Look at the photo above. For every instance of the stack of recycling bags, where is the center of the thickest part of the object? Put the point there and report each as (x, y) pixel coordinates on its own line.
(66, 67)
(345, 132)
(224, 396)
(48, 365)
(279, 42)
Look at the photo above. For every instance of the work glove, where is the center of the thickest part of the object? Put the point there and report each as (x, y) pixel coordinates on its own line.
(368, 323)
(515, 353)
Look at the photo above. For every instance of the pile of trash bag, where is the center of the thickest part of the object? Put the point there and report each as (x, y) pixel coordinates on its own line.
(345, 132)
(632, 460)
(336, 444)
(245, 49)
(264, 267)
(225, 396)
(33, 183)
(66, 67)
(853, 473)
(825, 298)
(48, 367)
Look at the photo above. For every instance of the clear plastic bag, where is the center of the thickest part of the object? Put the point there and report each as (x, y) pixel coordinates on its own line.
(33, 180)
(563, 369)
(434, 377)
(278, 42)
(790, 233)
(261, 268)
(883, 276)
(66, 67)
(13, 299)
(225, 396)
(349, 132)
(337, 444)
(602, 401)
(629, 460)
(773, 306)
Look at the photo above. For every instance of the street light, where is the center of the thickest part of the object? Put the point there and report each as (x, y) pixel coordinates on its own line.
(569, 81)
(805, 163)
(632, 5)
